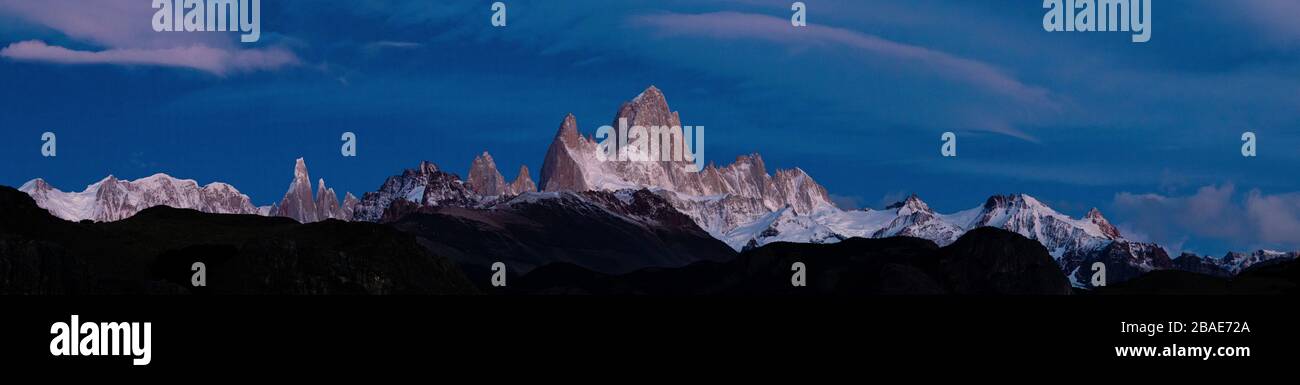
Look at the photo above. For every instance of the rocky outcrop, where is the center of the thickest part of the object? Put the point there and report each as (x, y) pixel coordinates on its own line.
(485, 180)
(1201, 265)
(349, 207)
(1124, 260)
(561, 170)
(425, 185)
(1237, 262)
(523, 183)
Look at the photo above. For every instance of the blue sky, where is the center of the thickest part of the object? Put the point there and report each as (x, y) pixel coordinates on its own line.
(1149, 133)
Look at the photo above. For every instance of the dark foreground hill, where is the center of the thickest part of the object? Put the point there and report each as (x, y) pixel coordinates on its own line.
(602, 231)
(1282, 277)
(152, 253)
(984, 261)
(584, 244)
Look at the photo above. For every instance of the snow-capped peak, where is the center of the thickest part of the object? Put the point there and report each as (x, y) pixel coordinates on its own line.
(111, 199)
(1110, 231)
(1236, 262)
(718, 198)
(1031, 218)
(33, 185)
(912, 204)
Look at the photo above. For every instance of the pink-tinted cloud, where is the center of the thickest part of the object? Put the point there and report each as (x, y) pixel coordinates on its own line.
(105, 22)
(216, 61)
(123, 31)
(1215, 212)
(1276, 216)
(1275, 17)
(735, 25)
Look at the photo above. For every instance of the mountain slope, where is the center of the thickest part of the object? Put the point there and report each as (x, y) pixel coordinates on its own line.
(1280, 277)
(746, 207)
(982, 262)
(152, 252)
(423, 186)
(113, 199)
(604, 231)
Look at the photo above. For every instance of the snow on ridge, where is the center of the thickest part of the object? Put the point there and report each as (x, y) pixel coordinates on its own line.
(962, 219)
(31, 185)
(533, 197)
(1019, 213)
(112, 199)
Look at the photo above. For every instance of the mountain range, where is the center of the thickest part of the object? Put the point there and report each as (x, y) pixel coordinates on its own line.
(679, 216)
(153, 252)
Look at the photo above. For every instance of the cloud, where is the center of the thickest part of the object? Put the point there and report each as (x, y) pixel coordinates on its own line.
(394, 44)
(734, 25)
(107, 23)
(847, 202)
(1216, 212)
(1277, 17)
(123, 34)
(891, 198)
(832, 71)
(1277, 217)
(212, 60)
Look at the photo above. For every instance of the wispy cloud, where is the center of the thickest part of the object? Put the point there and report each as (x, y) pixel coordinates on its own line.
(122, 34)
(735, 25)
(394, 44)
(1274, 16)
(216, 61)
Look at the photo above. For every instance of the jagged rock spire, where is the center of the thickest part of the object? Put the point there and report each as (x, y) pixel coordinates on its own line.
(484, 179)
(569, 130)
(561, 170)
(523, 183)
(327, 202)
(298, 203)
(571, 164)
